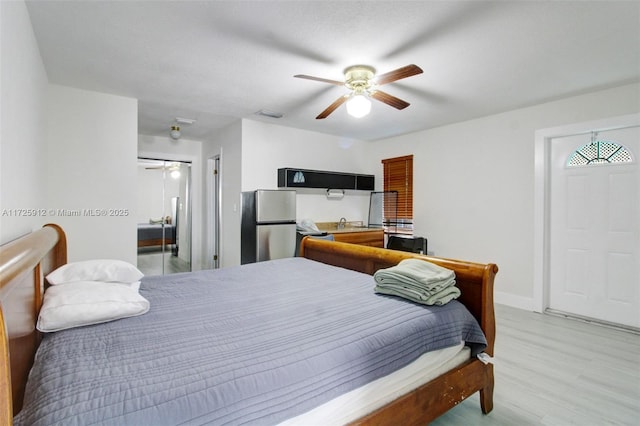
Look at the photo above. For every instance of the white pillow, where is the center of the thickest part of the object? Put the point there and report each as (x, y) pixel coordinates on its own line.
(107, 270)
(77, 304)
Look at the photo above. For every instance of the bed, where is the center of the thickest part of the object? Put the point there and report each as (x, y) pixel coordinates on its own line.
(24, 262)
(156, 234)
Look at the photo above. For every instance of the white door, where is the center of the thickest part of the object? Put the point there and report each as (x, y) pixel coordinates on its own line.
(594, 264)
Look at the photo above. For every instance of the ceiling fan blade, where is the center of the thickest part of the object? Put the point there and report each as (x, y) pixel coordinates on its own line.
(404, 72)
(332, 107)
(389, 99)
(323, 80)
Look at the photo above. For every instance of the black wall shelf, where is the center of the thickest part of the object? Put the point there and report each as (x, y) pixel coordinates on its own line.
(303, 178)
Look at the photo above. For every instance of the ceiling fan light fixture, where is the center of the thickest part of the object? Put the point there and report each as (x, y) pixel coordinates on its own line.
(362, 82)
(358, 106)
(175, 133)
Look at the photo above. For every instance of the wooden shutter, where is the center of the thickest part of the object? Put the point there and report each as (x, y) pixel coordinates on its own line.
(398, 176)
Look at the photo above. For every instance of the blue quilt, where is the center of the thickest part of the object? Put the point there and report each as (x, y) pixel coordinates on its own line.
(254, 344)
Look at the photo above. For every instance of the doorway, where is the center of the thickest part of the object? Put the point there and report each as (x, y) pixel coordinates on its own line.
(587, 222)
(594, 221)
(164, 216)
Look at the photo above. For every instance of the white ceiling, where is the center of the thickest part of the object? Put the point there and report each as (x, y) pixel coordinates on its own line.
(218, 61)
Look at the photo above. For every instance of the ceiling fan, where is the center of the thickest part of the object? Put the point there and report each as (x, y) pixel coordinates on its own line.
(362, 82)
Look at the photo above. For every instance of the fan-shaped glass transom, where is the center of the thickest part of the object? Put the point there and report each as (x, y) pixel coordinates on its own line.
(599, 152)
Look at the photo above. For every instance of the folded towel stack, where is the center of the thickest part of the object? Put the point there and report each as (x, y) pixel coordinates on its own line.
(419, 281)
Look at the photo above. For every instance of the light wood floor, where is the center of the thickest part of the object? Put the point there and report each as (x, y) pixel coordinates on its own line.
(558, 371)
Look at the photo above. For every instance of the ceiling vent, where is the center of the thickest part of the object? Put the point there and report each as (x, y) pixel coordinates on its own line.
(270, 114)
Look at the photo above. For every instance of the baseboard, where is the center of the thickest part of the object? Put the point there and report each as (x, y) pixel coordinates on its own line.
(514, 301)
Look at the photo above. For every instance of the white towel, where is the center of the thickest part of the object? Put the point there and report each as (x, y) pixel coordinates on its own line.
(418, 280)
(417, 273)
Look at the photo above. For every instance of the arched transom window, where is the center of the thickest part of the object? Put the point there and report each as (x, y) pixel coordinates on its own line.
(599, 152)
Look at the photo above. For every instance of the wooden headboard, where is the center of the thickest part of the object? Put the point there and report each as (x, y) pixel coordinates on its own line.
(23, 264)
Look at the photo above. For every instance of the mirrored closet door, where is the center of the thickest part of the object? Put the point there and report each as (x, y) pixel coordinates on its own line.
(164, 216)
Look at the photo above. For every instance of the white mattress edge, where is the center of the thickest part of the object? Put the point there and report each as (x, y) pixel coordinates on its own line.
(365, 399)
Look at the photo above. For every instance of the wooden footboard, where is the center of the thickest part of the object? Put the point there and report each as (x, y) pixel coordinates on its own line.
(434, 398)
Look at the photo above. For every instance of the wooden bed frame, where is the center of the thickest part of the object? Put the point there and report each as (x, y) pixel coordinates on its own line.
(24, 263)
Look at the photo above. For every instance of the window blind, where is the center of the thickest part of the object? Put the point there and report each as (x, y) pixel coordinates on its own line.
(398, 176)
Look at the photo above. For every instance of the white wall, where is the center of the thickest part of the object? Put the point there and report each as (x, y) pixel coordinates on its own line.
(165, 148)
(474, 182)
(22, 132)
(91, 158)
(268, 147)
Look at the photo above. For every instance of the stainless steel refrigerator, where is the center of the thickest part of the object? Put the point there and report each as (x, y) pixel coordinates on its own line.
(268, 225)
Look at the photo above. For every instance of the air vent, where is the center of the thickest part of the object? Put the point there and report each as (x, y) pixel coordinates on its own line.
(270, 114)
